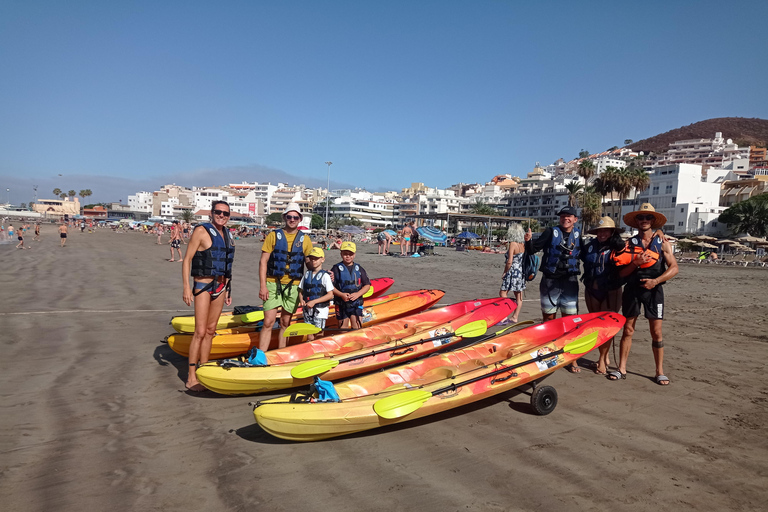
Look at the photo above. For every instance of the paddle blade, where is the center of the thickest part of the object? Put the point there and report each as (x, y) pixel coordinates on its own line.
(369, 292)
(472, 329)
(309, 369)
(252, 317)
(518, 324)
(301, 329)
(582, 345)
(401, 404)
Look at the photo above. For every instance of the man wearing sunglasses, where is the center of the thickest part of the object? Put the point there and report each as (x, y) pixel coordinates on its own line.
(652, 263)
(281, 268)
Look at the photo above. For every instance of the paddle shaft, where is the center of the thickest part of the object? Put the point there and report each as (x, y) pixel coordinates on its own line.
(396, 347)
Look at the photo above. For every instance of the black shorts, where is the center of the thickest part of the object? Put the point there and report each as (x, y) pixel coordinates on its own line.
(176, 243)
(63, 235)
(652, 302)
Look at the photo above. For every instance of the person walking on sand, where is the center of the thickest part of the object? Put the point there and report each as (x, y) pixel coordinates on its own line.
(649, 262)
(159, 231)
(20, 245)
(281, 268)
(175, 239)
(209, 258)
(559, 287)
(602, 284)
(63, 233)
(37, 232)
(512, 279)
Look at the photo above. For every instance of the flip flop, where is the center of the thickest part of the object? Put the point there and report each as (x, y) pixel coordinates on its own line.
(573, 369)
(662, 380)
(616, 375)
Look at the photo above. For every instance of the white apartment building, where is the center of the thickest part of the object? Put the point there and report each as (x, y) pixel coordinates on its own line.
(602, 162)
(141, 202)
(540, 196)
(715, 152)
(375, 214)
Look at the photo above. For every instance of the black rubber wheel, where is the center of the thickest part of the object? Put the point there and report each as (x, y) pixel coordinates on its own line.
(544, 400)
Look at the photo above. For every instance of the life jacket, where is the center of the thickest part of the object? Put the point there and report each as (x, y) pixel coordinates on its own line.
(350, 281)
(313, 287)
(282, 257)
(652, 268)
(560, 249)
(598, 266)
(217, 259)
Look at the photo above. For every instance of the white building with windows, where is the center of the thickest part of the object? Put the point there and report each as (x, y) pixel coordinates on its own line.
(141, 202)
(715, 152)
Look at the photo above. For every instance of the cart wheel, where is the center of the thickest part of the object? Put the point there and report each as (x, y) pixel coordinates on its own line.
(544, 400)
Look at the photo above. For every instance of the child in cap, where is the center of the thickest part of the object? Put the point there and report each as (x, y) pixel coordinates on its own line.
(351, 282)
(315, 290)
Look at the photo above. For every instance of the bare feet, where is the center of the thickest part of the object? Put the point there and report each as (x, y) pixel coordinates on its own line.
(171, 260)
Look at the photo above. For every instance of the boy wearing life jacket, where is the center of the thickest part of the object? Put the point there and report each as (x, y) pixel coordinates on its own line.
(560, 266)
(208, 260)
(315, 291)
(280, 270)
(648, 261)
(351, 282)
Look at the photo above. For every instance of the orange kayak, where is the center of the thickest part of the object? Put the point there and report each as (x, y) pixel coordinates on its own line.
(442, 382)
(355, 352)
(375, 311)
(246, 322)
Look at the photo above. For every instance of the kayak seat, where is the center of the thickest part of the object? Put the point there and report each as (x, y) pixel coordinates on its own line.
(350, 347)
(435, 374)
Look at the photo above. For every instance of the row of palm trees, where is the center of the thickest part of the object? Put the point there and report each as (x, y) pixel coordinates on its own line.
(590, 197)
(71, 194)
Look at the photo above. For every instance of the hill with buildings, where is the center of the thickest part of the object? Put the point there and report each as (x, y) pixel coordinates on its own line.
(744, 132)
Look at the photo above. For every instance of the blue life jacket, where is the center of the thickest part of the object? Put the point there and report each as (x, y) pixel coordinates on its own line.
(350, 281)
(217, 259)
(325, 391)
(598, 266)
(281, 256)
(313, 287)
(560, 249)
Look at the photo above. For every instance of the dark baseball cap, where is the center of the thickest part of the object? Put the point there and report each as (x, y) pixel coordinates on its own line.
(568, 210)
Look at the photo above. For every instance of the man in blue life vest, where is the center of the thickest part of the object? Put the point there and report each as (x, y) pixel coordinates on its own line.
(560, 267)
(651, 263)
(280, 270)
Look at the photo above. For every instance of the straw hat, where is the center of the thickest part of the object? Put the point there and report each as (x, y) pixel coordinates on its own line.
(605, 223)
(645, 208)
(293, 207)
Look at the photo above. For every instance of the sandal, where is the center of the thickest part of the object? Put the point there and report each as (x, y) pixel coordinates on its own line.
(662, 380)
(573, 369)
(616, 375)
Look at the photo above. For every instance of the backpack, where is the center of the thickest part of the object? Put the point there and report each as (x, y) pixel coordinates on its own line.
(530, 266)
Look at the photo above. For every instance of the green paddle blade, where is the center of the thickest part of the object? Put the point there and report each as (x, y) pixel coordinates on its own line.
(472, 329)
(401, 404)
(518, 324)
(368, 293)
(253, 316)
(301, 329)
(309, 369)
(582, 345)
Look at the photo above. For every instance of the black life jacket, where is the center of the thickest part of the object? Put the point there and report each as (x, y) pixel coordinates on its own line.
(218, 258)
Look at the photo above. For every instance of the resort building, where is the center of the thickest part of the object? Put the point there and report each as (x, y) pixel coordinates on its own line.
(715, 152)
(540, 196)
(57, 207)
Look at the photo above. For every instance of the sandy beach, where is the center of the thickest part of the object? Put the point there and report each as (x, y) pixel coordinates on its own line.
(95, 416)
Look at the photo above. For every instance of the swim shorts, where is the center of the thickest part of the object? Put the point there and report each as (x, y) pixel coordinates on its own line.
(288, 300)
(562, 294)
(63, 235)
(310, 317)
(348, 309)
(176, 243)
(652, 302)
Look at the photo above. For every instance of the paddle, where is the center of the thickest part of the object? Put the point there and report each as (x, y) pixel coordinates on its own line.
(318, 366)
(252, 317)
(402, 404)
(302, 329)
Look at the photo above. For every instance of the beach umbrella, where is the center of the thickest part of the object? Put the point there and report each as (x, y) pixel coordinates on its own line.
(704, 238)
(303, 228)
(353, 230)
(392, 233)
(727, 242)
(761, 242)
(467, 235)
(748, 239)
(432, 234)
(705, 245)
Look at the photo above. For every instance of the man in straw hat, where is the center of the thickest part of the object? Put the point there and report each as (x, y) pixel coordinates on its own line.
(650, 263)
(559, 287)
(281, 265)
(602, 284)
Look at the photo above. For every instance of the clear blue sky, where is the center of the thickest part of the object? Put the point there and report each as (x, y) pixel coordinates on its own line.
(392, 92)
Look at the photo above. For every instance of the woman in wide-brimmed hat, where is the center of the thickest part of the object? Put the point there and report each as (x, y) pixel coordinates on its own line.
(602, 285)
(646, 209)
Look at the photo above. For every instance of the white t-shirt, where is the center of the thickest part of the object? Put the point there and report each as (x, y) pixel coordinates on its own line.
(322, 312)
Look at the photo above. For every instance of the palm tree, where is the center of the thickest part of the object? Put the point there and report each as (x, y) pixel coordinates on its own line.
(605, 183)
(623, 185)
(639, 178)
(750, 216)
(72, 194)
(573, 188)
(591, 207)
(586, 169)
(57, 192)
(482, 208)
(187, 216)
(63, 195)
(85, 193)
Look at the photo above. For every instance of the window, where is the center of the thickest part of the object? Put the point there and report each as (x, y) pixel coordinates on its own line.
(680, 223)
(668, 189)
(682, 210)
(674, 199)
(714, 224)
(655, 190)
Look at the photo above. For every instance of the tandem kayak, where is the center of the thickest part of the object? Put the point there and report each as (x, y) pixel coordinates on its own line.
(355, 352)
(441, 382)
(375, 311)
(186, 324)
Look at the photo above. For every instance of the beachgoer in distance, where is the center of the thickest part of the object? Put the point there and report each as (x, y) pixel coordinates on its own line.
(713, 255)
(37, 232)
(560, 268)
(405, 243)
(414, 238)
(512, 279)
(20, 235)
(351, 282)
(652, 263)
(602, 284)
(175, 240)
(383, 238)
(208, 260)
(281, 267)
(315, 291)
(63, 233)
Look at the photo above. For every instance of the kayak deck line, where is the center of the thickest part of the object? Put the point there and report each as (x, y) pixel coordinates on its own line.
(94, 311)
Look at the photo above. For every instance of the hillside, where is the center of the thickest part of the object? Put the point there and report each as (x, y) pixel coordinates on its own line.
(744, 132)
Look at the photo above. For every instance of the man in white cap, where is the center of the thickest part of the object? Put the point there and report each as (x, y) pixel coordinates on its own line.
(648, 262)
(280, 270)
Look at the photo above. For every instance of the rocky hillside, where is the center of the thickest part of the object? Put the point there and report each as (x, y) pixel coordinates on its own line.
(744, 132)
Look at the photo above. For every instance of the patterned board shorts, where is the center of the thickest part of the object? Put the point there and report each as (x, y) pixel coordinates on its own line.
(562, 294)
(176, 243)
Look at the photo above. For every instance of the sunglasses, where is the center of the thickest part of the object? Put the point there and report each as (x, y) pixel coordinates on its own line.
(644, 217)
(292, 217)
(221, 212)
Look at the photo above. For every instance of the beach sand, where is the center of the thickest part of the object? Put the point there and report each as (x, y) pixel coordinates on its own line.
(95, 417)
